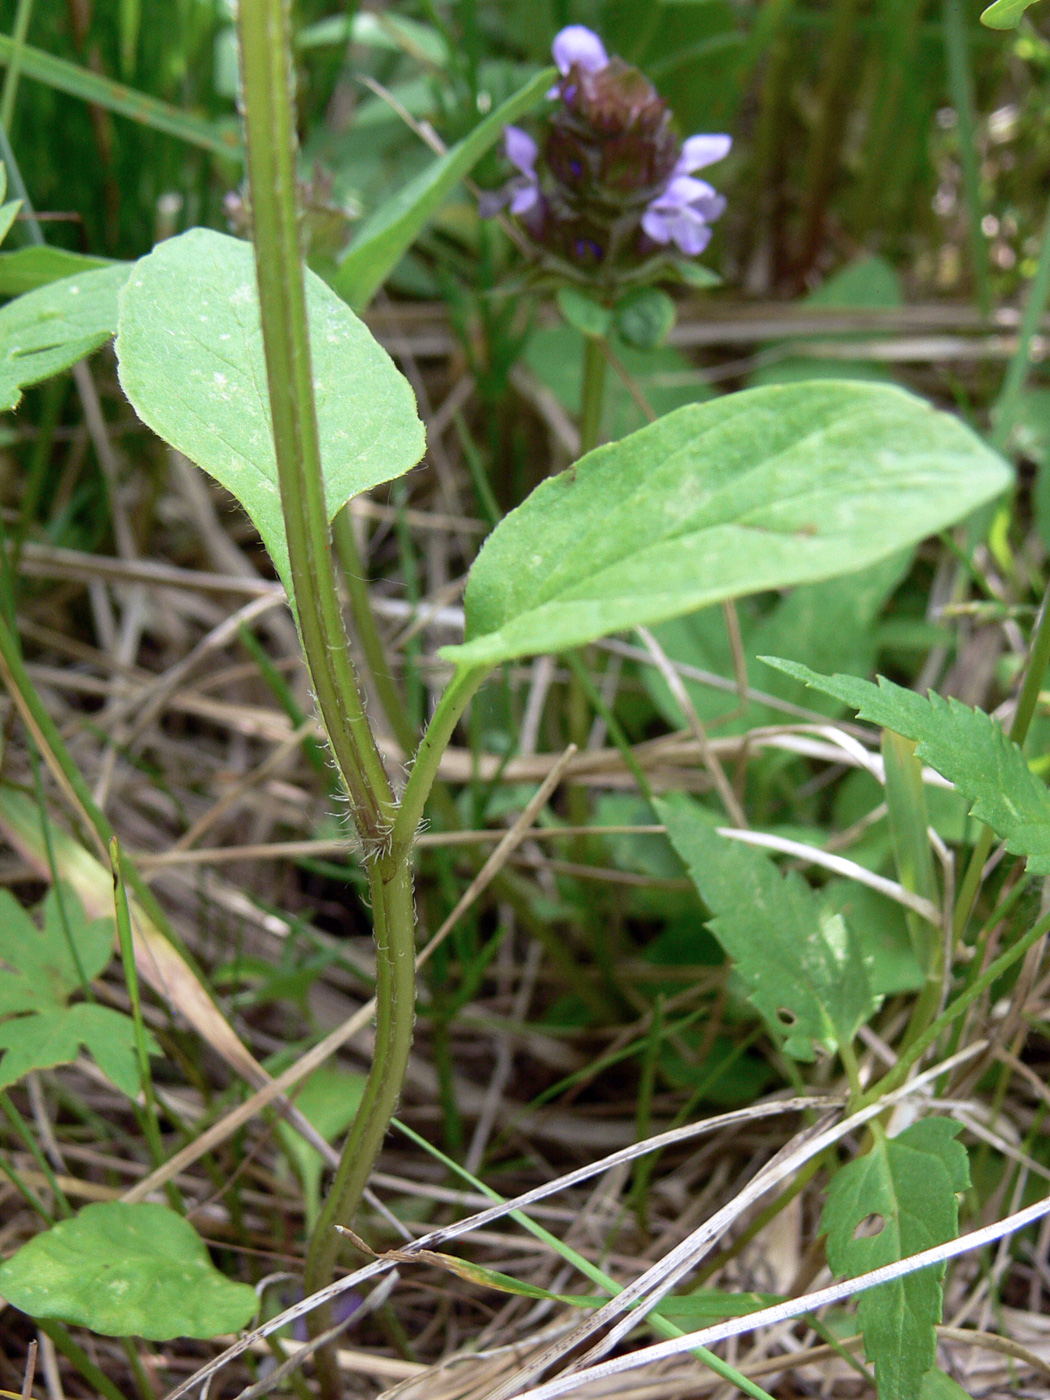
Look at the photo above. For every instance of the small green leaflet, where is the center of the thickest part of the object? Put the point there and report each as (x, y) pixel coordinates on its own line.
(589, 317)
(25, 269)
(38, 1029)
(8, 214)
(191, 362)
(329, 1099)
(691, 1309)
(645, 317)
(126, 1270)
(936, 1385)
(909, 1185)
(49, 329)
(805, 974)
(377, 31)
(967, 746)
(387, 235)
(757, 490)
(1005, 14)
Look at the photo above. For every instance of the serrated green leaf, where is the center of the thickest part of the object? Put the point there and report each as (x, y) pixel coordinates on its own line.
(329, 1099)
(191, 362)
(804, 973)
(47, 967)
(907, 1187)
(126, 1270)
(1005, 14)
(46, 331)
(25, 269)
(967, 746)
(387, 235)
(757, 490)
(49, 1038)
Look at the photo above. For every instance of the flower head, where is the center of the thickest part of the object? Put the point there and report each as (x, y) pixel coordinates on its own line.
(609, 187)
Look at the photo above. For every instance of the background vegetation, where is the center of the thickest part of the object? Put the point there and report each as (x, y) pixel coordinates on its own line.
(886, 222)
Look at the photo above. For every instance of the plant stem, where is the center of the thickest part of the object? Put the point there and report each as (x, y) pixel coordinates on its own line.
(915, 1052)
(148, 1118)
(592, 401)
(49, 741)
(960, 82)
(78, 1357)
(1035, 672)
(393, 915)
(592, 395)
(266, 69)
(14, 67)
(453, 702)
(1006, 405)
(267, 76)
(353, 570)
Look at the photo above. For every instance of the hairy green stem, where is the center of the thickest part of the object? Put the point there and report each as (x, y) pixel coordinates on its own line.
(267, 76)
(393, 913)
(266, 69)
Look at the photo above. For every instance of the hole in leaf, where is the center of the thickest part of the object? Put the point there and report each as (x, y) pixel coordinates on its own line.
(869, 1227)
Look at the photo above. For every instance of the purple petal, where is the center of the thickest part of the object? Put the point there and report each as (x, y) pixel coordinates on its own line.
(710, 209)
(681, 191)
(521, 150)
(580, 46)
(689, 231)
(698, 151)
(344, 1305)
(655, 225)
(524, 197)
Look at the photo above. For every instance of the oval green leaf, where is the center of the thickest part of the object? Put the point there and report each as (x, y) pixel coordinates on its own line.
(758, 490)
(126, 1270)
(190, 354)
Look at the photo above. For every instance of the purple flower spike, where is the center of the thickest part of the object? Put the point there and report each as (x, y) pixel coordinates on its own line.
(580, 46)
(698, 151)
(682, 213)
